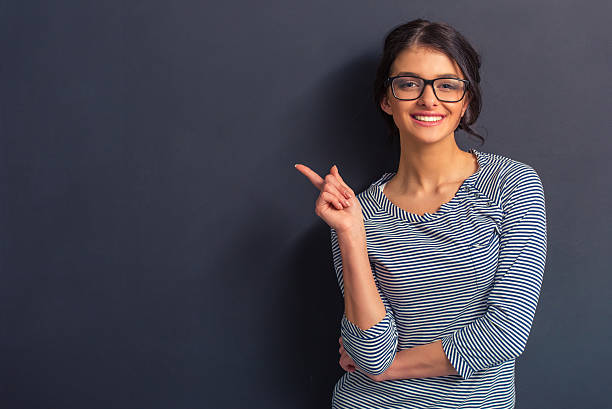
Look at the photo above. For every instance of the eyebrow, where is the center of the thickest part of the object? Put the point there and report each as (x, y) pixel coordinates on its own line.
(441, 75)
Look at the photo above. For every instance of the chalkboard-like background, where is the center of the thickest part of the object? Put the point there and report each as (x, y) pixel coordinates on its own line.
(159, 250)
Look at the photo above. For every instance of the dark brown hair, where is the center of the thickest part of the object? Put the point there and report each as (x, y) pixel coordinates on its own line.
(440, 37)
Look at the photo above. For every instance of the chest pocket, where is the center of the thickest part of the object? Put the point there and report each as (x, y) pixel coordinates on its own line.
(484, 252)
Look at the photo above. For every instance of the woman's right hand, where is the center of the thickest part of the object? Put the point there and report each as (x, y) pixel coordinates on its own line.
(336, 204)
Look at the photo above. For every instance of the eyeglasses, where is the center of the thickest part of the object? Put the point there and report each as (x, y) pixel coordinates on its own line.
(408, 88)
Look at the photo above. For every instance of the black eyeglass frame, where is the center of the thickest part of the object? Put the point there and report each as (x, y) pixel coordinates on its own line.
(389, 81)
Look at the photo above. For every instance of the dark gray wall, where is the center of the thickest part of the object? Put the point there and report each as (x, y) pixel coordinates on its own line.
(159, 250)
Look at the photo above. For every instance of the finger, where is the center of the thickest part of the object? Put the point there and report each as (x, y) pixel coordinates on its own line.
(332, 180)
(351, 367)
(332, 200)
(347, 364)
(341, 363)
(348, 358)
(333, 189)
(314, 178)
(344, 364)
(335, 172)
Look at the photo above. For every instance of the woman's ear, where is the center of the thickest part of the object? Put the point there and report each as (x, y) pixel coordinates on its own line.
(466, 105)
(385, 106)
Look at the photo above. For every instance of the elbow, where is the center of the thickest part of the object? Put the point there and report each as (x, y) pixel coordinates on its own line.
(514, 347)
(377, 363)
(373, 350)
(512, 333)
(509, 347)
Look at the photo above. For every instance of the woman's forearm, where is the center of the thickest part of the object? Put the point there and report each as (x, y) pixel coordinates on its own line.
(364, 307)
(421, 361)
(362, 303)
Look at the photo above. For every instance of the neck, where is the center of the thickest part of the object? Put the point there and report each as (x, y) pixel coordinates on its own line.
(427, 167)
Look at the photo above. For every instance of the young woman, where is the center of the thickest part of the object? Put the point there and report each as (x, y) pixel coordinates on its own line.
(441, 262)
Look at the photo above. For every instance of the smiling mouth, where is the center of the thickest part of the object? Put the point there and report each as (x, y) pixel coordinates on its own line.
(428, 118)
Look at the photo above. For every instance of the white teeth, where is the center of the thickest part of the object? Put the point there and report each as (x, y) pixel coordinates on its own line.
(428, 118)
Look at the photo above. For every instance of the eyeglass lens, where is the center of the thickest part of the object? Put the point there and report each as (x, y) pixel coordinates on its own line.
(445, 89)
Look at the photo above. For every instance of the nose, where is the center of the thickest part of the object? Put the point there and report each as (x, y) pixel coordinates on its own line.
(428, 97)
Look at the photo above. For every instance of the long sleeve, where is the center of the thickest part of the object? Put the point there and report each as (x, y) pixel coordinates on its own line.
(373, 349)
(501, 333)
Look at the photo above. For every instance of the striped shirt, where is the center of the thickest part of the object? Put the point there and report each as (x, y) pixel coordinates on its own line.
(468, 274)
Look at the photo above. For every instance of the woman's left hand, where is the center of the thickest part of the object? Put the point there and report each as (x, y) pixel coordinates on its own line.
(347, 363)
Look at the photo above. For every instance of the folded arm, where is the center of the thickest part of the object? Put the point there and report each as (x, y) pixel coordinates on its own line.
(368, 327)
(501, 333)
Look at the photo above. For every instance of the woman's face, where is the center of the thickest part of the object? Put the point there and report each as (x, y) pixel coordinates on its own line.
(428, 64)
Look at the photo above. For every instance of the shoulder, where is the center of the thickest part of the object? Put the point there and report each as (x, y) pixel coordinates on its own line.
(511, 170)
(369, 198)
(509, 177)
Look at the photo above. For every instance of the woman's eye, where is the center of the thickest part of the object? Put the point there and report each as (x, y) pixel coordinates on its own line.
(408, 84)
(446, 86)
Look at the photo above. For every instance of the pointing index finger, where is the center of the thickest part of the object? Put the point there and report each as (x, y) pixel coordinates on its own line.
(314, 178)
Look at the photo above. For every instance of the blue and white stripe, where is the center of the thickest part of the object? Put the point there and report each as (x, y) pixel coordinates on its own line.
(468, 275)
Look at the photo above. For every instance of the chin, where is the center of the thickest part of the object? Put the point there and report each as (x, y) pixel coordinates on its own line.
(428, 136)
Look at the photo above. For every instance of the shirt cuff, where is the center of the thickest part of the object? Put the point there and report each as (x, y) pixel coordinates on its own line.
(455, 358)
(372, 349)
(375, 331)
